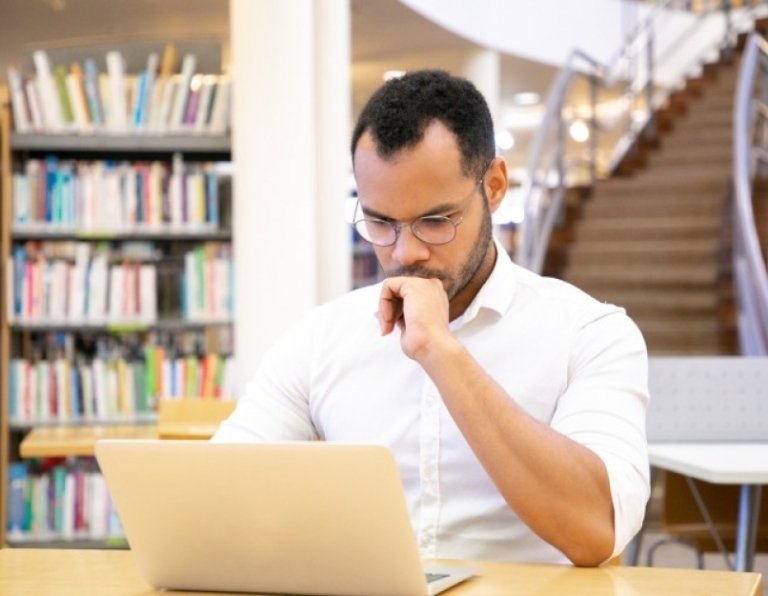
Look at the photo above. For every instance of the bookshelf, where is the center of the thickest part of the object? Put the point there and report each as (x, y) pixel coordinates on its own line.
(162, 330)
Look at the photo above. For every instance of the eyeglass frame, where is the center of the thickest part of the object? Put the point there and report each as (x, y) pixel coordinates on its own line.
(398, 226)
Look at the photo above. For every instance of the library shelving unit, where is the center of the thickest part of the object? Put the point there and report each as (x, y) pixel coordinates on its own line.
(98, 321)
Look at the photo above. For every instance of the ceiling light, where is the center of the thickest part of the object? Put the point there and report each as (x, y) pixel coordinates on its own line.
(392, 74)
(579, 131)
(526, 98)
(505, 140)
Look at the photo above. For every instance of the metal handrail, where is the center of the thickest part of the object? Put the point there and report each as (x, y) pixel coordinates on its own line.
(543, 190)
(543, 204)
(749, 267)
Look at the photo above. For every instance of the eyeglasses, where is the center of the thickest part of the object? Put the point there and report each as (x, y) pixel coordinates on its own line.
(430, 229)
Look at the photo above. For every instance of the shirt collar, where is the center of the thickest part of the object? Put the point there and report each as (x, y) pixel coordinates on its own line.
(498, 290)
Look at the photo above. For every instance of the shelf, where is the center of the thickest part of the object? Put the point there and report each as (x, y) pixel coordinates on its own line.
(45, 232)
(119, 327)
(58, 543)
(78, 441)
(165, 143)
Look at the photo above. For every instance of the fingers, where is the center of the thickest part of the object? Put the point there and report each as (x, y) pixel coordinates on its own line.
(390, 306)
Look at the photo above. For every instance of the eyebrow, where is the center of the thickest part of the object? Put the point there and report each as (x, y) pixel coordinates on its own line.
(440, 209)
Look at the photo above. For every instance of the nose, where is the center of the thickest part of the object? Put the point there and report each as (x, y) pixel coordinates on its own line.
(408, 249)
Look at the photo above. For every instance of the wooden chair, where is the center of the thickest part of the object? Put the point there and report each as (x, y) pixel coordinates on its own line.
(191, 418)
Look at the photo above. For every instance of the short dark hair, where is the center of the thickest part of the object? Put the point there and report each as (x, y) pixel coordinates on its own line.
(400, 111)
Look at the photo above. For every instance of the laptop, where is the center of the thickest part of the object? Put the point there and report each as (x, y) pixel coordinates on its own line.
(287, 517)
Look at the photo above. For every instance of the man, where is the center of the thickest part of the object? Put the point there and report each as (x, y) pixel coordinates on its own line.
(514, 404)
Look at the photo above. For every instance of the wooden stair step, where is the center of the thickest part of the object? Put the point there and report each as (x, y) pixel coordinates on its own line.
(660, 326)
(672, 185)
(710, 153)
(630, 253)
(684, 138)
(648, 228)
(691, 336)
(647, 276)
(720, 118)
(722, 96)
(674, 303)
(648, 206)
(687, 171)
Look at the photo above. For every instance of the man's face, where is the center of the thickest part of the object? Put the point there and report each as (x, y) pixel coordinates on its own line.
(425, 180)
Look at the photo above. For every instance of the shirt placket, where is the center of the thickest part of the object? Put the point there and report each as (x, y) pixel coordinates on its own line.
(429, 446)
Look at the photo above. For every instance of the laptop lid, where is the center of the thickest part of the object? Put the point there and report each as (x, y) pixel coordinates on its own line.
(289, 517)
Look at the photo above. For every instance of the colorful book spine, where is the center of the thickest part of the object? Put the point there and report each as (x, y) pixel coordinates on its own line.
(160, 99)
(62, 501)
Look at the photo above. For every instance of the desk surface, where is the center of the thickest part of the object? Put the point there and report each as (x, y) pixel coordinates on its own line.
(75, 572)
(720, 463)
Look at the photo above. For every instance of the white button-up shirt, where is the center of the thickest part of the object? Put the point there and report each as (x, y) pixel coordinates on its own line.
(571, 362)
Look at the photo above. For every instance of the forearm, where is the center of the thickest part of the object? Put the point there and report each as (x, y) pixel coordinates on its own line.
(558, 487)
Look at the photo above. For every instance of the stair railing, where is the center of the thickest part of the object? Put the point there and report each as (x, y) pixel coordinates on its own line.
(554, 163)
(750, 157)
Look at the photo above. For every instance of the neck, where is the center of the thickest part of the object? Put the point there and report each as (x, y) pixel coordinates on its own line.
(466, 295)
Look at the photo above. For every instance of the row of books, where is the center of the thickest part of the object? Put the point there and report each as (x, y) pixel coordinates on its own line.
(81, 98)
(61, 501)
(65, 391)
(118, 196)
(90, 289)
(208, 289)
(86, 345)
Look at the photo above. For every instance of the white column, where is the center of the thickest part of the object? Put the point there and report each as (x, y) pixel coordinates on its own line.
(483, 68)
(273, 148)
(333, 164)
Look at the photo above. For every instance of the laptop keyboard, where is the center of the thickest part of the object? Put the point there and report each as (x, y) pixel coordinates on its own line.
(433, 577)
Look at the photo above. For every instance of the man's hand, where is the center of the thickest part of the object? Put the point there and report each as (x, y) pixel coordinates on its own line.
(419, 307)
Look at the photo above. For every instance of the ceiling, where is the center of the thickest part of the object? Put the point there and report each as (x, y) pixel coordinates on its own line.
(386, 35)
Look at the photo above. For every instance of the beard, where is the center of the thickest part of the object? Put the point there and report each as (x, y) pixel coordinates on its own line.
(455, 283)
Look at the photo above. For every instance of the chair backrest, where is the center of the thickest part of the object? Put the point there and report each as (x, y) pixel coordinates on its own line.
(713, 398)
(191, 418)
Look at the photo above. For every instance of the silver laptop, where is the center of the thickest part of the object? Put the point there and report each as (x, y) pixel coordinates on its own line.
(290, 517)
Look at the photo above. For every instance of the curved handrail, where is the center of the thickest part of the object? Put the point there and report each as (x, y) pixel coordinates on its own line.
(749, 267)
(543, 190)
(542, 204)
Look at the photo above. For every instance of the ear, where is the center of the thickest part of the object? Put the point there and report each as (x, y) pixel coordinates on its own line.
(496, 183)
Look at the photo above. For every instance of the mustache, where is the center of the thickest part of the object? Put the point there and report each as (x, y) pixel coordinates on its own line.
(417, 271)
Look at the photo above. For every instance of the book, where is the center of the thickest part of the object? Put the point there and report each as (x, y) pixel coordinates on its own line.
(60, 78)
(91, 83)
(32, 94)
(75, 80)
(176, 119)
(51, 108)
(118, 111)
(22, 119)
(17, 522)
(169, 60)
(219, 120)
(145, 100)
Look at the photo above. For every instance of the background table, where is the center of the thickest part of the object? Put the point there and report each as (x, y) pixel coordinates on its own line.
(745, 464)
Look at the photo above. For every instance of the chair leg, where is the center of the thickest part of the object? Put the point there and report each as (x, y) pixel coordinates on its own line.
(674, 540)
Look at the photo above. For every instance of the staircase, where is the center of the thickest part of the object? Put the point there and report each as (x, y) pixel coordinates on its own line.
(654, 241)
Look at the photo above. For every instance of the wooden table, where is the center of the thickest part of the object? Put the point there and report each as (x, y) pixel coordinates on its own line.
(45, 572)
(744, 464)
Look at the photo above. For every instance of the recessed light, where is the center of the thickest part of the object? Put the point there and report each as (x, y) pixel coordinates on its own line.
(392, 74)
(505, 140)
(526, 98)
(579, 131)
